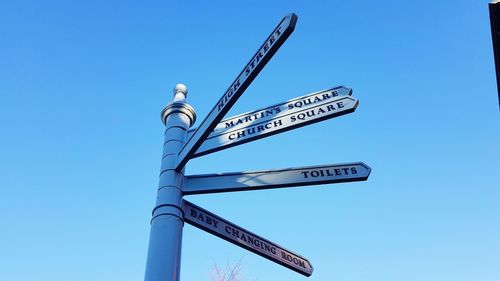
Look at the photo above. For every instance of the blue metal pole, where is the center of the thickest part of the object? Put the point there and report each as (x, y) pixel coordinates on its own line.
(165, 240)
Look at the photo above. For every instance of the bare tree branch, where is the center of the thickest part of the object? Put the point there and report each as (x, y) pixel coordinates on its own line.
(230, 273)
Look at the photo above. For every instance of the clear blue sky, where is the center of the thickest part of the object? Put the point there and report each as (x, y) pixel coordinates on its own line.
(82, 84)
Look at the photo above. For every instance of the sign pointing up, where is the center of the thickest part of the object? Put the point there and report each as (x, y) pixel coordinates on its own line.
(243, 80)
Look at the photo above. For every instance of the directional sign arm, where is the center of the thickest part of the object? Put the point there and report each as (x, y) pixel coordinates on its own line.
(301, 176)
(276, 110)
(283, 108)
(220, 140)
(239, 236)
(247, 75)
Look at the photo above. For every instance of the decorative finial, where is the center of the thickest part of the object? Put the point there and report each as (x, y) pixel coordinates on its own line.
(180, 92)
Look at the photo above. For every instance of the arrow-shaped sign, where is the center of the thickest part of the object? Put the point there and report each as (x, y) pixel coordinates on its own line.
(301, 176)
(247, 75)
(281, 109)
(273, 111)
(223, 139)
(230, 232)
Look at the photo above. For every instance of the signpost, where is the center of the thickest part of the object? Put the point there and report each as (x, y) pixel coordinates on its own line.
(171, 210)
(239, 236)
(301, 176)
